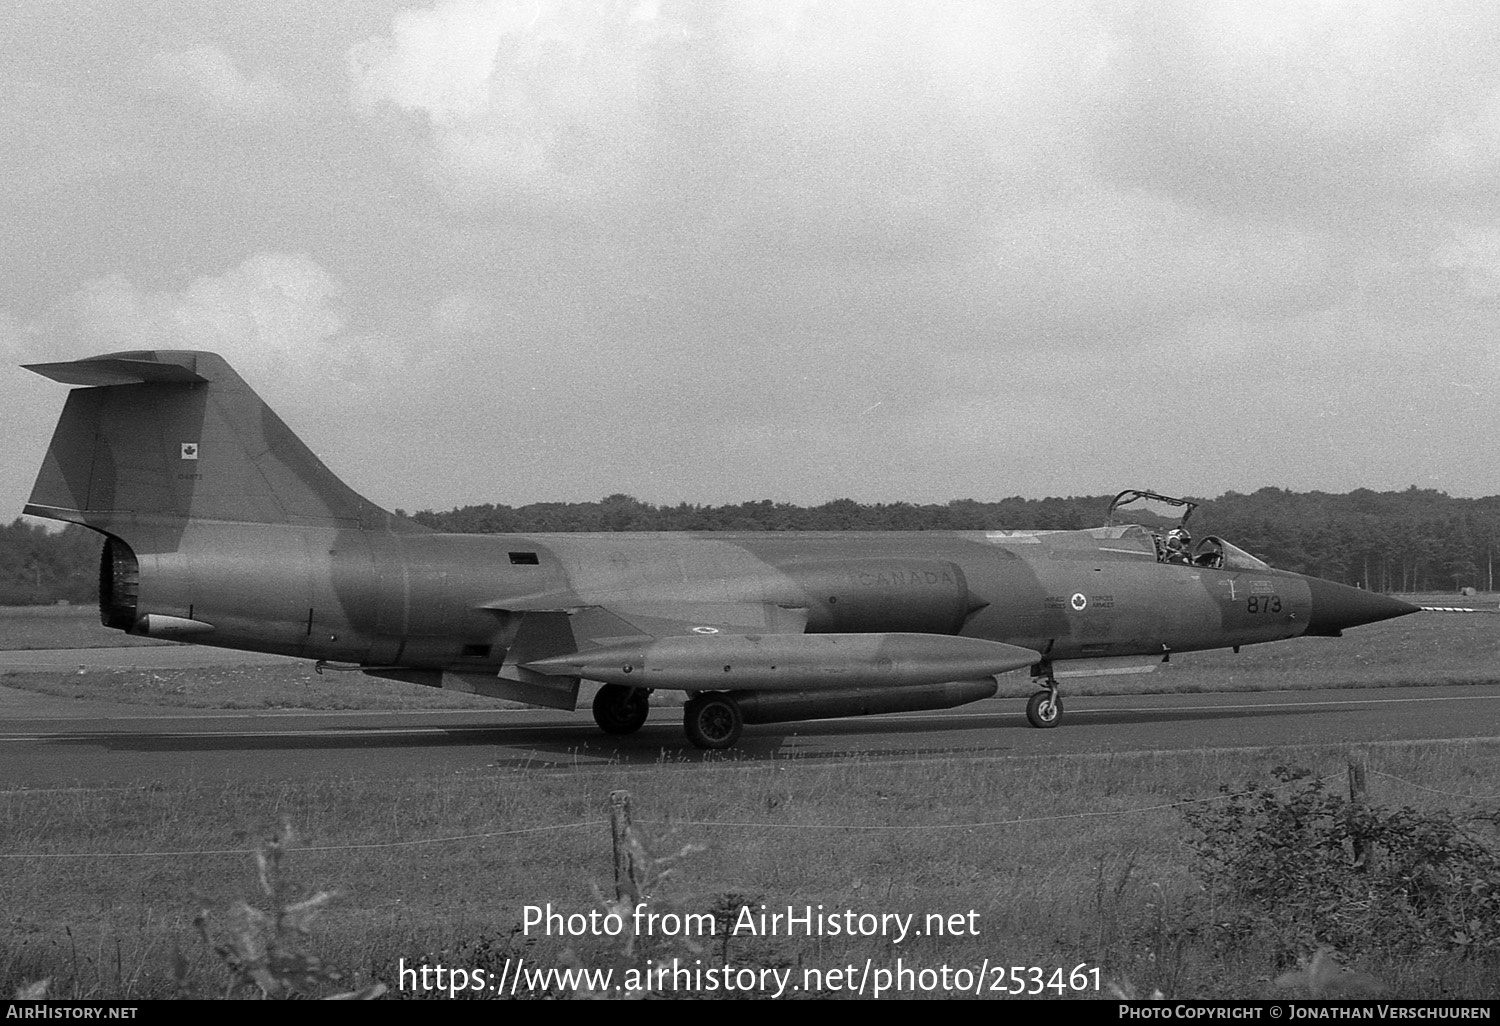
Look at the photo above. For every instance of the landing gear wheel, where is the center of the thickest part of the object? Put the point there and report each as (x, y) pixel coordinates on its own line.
(712, 720)
(620, 710)
(1045, 709)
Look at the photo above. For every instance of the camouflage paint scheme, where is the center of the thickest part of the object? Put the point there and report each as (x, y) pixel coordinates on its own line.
(224, 529)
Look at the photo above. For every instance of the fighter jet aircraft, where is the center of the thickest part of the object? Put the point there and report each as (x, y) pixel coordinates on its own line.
(222, 528)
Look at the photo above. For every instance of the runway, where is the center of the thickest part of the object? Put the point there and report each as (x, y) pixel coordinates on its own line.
(48, 742)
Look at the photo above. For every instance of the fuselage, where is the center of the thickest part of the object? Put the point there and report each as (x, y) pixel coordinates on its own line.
(445, 600)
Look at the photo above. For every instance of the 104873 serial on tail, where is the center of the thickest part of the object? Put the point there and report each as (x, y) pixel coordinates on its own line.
(222, 528)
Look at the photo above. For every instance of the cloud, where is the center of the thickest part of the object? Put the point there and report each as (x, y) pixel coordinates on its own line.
(540, 100)
(462, 313)
(1137, 160)
(1129, 260)
(208, 76)
(1464, 155)
(14, 344)
(1475, 260)
(440, 61)
(921, 242)
(894, 126)
(889, 121)
(277, 317)
(1246, 103)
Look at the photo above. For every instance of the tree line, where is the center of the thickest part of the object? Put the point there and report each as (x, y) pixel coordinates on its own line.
(1415, 540)
(40, 567)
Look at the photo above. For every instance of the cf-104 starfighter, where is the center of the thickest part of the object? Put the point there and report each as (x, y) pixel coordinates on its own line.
(222, 528)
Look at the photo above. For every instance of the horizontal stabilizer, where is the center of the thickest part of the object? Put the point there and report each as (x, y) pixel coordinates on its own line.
(106, 370)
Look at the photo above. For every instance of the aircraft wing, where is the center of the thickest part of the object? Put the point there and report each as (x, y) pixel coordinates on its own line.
(699, 645)
(546, 632)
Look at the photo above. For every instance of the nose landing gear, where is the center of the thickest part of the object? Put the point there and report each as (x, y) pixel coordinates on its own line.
(1045, 708)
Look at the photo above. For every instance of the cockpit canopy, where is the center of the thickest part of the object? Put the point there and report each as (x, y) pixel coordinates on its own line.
(1149, 509)
(1165, 518)
(1218, 554)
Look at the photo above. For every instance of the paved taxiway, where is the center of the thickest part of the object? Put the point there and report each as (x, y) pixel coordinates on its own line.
(47, 742)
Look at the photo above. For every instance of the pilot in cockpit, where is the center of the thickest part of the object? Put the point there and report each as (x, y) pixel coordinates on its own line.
(1179, 543)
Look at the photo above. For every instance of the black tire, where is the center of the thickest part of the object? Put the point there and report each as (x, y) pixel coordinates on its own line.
(620, 710)
(1044, 710)
(713, 721)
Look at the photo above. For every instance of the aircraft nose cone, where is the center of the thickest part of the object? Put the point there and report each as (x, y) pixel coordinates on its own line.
(1337, 607)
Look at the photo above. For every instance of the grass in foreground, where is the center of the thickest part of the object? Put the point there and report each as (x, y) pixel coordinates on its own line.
(1064, 861)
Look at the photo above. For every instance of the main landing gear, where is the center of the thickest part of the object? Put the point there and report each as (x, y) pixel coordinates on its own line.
(620, 710)
(712, 720)
(1045, 708)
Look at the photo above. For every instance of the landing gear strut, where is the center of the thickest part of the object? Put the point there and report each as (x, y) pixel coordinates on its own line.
(1045, 708)
(620, 710)
(712, 720)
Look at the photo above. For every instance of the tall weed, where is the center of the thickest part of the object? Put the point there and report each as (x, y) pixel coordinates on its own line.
(1280, 876)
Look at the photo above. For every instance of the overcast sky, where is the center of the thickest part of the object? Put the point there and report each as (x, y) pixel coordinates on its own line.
(484, 251)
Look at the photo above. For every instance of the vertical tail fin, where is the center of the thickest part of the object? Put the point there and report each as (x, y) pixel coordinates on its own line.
(163, 437)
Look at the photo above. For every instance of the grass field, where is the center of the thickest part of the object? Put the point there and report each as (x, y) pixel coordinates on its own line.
(23, 627)
(1064, 861)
